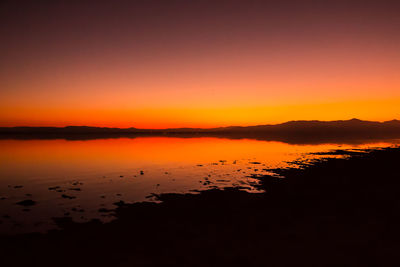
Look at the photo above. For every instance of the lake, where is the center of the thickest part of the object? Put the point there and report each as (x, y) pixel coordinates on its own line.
(83, 179)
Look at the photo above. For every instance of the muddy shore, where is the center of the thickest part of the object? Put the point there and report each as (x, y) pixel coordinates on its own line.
(332, 212)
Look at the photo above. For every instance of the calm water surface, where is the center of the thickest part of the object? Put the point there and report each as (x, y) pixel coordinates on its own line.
(83, 179)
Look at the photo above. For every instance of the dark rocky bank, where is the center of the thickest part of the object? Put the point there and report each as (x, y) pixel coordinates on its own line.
(333, 212)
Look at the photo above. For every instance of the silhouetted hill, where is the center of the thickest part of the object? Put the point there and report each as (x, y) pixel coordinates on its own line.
(326, 127)
(341, 131)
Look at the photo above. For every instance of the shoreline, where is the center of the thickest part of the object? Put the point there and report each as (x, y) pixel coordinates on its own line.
(330, 212)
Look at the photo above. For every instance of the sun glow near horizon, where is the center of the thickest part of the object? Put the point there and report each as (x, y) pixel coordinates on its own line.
(169, 117)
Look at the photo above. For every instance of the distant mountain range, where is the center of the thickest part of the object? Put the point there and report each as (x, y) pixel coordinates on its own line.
(291, 132)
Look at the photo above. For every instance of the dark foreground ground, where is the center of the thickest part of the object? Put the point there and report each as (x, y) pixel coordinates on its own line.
(338, 212)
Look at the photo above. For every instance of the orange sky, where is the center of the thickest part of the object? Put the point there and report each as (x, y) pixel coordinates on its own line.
(199, 64)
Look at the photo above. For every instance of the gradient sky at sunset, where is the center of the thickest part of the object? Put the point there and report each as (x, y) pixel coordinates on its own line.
(156, 64)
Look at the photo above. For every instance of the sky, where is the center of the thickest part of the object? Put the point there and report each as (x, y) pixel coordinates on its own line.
(160, 64)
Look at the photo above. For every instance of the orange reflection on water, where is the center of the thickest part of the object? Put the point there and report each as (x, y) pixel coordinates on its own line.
(104, 154)
(128, 169)
(160, 149)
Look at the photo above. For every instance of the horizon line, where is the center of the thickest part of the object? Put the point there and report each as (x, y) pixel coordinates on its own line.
(268, 124)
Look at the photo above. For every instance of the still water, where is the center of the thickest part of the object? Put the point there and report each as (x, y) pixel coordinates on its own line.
(83, 179)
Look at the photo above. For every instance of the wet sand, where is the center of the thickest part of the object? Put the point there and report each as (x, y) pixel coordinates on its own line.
(331, 212)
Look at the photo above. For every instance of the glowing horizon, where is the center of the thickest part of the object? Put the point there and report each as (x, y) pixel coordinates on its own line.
(195, 118)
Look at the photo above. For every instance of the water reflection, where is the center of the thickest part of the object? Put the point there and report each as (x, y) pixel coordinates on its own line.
(41, 179)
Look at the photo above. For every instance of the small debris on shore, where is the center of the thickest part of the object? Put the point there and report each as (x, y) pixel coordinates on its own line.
(54, 188)
(105, 210)
(119, 203)
(77, 210)
(68, 197)
(75, 189)
(27, 202)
